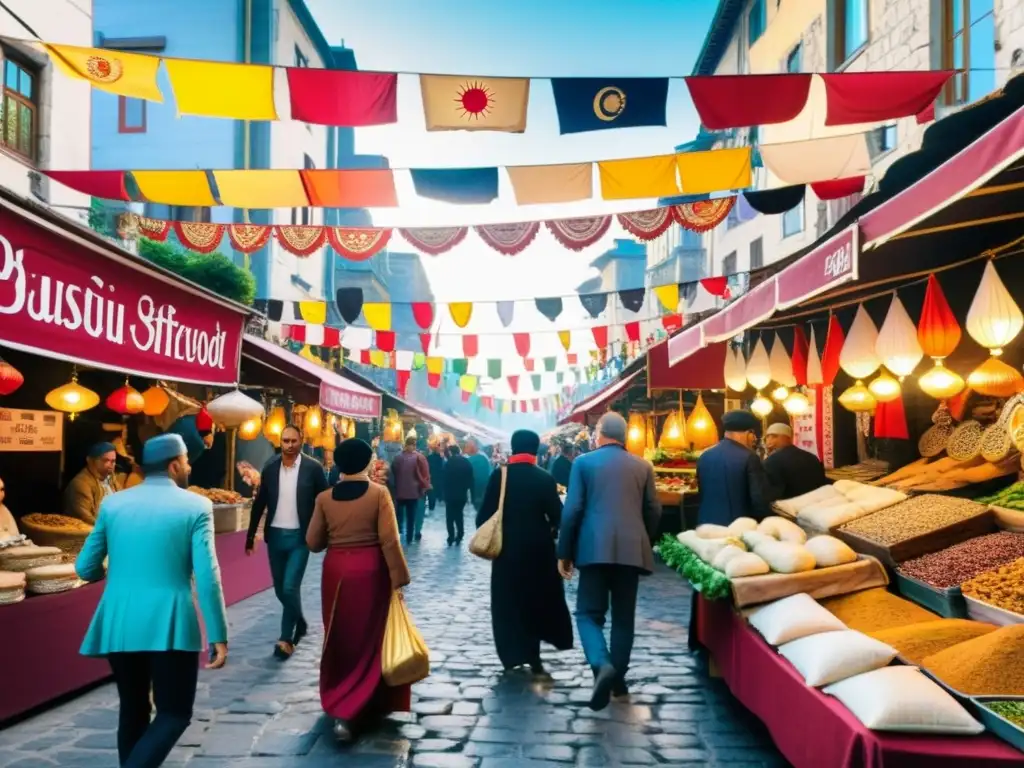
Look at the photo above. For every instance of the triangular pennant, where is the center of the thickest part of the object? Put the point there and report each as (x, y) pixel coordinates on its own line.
(513, 384)
(435, 365)
(535, 380)
(688, 292)
(799, 356)
(425, 343)
(550, 308)
(550, 363)
(461, 312)
(522, 342)
(716, 286)
(833, 348)
(314, 312)
(633, 331)
(566, 338)
(459, 366)
(385, 341)
(275, 308)
(633, 299)
(594, 303)
(349, 301)
(506, 312)
(402, 380)
(423, 314)
(419, 360)
(378, 315)
(559, 377)
(600, 335)
(467, 383)
(814, 375)
(528, 364)
(470, 345)
(668, 295)
(494, 369)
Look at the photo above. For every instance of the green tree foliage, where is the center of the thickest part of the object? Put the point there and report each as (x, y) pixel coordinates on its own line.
(214, 271)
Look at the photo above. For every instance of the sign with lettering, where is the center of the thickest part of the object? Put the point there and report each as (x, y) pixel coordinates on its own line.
(805, 431)
(61, 298)
(830, 264)
(31, 430)
(354, 402)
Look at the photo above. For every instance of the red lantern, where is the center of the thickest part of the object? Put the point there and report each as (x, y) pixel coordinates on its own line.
(937, 331)
(126, 401)
(10, 378)
(204, 422)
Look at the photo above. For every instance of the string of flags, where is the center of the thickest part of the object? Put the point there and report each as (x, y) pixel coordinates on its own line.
(480, 103)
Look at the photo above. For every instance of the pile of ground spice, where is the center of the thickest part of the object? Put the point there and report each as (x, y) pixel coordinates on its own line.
(915, 642)
(990, 665)
(872, 610)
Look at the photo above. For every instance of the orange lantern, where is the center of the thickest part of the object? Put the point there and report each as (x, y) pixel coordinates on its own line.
(155, 401)
(126, 401)
(10, 378)
(937, 331)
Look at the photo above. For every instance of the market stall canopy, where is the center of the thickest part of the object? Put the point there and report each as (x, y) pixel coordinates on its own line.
(337, 394)
(487, 433)
(442, 419)
(705, 370)
(69, 294)
(604, 397)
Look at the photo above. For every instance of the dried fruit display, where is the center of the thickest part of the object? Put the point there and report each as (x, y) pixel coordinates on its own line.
(218, 495)
(954, 565)
(996, 444)
(1002, 587)
(56, 522)
(965, 441)
(914, 517)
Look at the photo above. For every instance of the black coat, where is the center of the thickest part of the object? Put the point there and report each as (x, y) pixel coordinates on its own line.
(732, 484)
(312, 481)
(561, 469)
(458, 480)
(794, 472)
(436, 464)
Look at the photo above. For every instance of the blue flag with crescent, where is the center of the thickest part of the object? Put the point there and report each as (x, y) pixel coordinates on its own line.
(594, 103)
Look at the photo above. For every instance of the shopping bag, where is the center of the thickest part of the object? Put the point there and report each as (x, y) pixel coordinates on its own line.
(404, 658)
(486, 542)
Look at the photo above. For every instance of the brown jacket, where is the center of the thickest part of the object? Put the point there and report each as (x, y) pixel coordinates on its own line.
(84, 493)
(363, 522)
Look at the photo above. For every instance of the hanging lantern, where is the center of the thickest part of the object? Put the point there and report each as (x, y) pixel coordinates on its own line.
(72, 398)
(351, 431)
(995, 378)
(937, 331)
(780, 393)
(858, 398)
(940, 382)
(392, 427)
(312, 424)
(781, 365)
(673, 432)
(250, 428)
(897, 343)
(814, 374)
(759, 371)
(233, 409)
(796, 404)
(275, 424)
(10, 378)
(994, 319)
(885, 388)
(636, 435)
(126, 401)
(735, 370)
(204, 421)
(701, 431)
(858, 357)
(155, 400)
(329, 439)
(761, 406)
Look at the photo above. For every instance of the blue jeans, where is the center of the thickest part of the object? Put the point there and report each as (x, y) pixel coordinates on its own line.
(410, 514)
(286, 548)
(599, 585)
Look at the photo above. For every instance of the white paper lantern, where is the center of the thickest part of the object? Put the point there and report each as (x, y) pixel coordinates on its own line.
(781, 365)
(994, 318)
(814, 374)
(759, 371)
(234, 409)
(735, 370)
(897, 343)
(858, 357)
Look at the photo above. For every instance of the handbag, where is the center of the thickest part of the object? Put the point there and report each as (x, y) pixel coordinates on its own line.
(486, 542)
(405, 658)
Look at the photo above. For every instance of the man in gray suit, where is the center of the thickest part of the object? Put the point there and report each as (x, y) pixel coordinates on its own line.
(611, 514)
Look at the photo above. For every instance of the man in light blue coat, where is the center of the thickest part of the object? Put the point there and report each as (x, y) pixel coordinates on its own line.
(156, 535)
(610, 517)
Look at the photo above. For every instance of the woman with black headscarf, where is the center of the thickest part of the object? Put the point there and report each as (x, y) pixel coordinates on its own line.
(355, 522)
(527, 594)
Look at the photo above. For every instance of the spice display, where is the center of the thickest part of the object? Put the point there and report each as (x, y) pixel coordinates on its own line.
(1011, 497)
(954, 565)
(218, 495)
(1010, 710)
(915, 642)
(1003, 587)
(965, 441)
(56, 522)
(914, 517)
(872, 610)
(990, 665)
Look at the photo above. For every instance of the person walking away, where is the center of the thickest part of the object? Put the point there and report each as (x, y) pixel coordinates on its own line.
(435, 462)
(458, 484)
(158, 537)
(527, 596)
(355, 522)
(481, 472)
(561, 467)
(411, 475)
(791, 471)
(289, 485)
(611, 516)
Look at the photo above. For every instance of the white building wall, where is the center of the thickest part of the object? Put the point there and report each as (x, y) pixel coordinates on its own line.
(63, 105)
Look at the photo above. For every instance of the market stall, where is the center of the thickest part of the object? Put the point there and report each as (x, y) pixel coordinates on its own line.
(93, 339)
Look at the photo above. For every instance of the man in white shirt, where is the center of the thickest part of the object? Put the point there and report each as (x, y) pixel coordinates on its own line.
(288, 489)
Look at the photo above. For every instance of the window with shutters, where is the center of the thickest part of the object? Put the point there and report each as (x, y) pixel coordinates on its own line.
(757, 254)
(19, 111)
(729, 264)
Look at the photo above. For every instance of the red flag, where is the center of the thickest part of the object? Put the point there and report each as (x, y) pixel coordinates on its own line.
(633, 330)
(522, 341)
(295, 333)
(738, 101)
(513, 384)
(386, 341)
(433, 380)
(470, 345)
(799, 357)
(423, 314)
(833, 346)
(403, 382)
(528, 364)
(364, 356)
(716, 286)
(425, 343)
(536, 404)
(572, 358)
(600, 335)
(838, 188)
(891, 420)
(465, 396)
(332, 337)
(343, 97)
(926, 115)
(672, 323)
(870, 97)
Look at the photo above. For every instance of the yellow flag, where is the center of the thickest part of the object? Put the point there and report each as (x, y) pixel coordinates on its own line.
(260, 188)
(189, 188)
(714, 171)
(314, 312)
(461, 311)
(378, 316)
(468, 103)
(217, 89)
(638, 177)
(566, 338)
(506, 406)
(126, 74)
(467, 383)
(378, 359)
(435, 365)
(668, 295)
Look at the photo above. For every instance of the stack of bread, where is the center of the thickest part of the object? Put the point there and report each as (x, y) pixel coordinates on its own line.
(29, 556)
(12, 587)
(48, 579)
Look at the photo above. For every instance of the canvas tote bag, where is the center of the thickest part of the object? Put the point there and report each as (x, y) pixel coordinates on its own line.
(486, 542)
(405, 658)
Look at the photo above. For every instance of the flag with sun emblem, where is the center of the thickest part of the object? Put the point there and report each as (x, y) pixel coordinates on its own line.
(457, 103)
(126, 74)
(595, 104)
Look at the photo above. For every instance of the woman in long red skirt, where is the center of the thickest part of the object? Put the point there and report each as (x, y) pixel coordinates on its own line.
(355, 522)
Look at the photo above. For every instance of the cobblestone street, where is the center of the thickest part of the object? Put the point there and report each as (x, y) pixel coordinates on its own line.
(260, 713)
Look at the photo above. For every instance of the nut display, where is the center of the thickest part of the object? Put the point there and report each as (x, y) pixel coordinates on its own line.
(56, 522)
(914, 517)
(218, 495)
(954, 565)
(1002, 587)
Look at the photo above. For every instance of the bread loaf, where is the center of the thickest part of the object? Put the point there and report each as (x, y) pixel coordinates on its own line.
(829, 551)
(746, 564)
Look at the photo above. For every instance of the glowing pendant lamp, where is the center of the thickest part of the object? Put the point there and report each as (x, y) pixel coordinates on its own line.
(126, 401)
(761, 406)
(937, 331)
(10, 378)
(994, 378)
(781, 365)
(735, 370)
(885, 388)
(250, 429)
(940, 382)
(312, 424)
(274, 425)
(351, 431)
(700, 427)
(796, 404)
(234, 409)
(897, 343)
(994, 319)
(155, 400)
(673, 431)
(858, 399)
(858, 357)
(72, 398)
(636, 434)
(759, 371)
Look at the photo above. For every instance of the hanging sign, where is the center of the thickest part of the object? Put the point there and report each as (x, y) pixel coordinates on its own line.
(31, 431)
(356, 403)
(805, 432)
(832, 263)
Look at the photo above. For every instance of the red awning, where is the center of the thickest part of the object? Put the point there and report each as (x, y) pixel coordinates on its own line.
(337, 394)
(602, 398)
(705, 370)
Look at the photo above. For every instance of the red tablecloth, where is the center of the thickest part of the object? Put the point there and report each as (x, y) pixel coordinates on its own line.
(41, 636)
(813, 730)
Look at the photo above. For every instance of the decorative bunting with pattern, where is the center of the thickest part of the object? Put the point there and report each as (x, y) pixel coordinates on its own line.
(200, 237)
(580, 233)
(249, 238)
(702, 215)
(300, 240)
(647, 225)
(509, 239)
(434, 240)
(357, 244)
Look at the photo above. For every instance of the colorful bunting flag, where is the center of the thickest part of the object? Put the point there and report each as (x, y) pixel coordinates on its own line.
(633, 298)
(461, 312)
(189, 188)
(668, 295)
(551, 308)
(464, 186)
(470, 345)
(423, 314)
(522, 342)
(803, 162)
(425, 343)
(566, 338)
(714, 170)
(468, 383)
(402, 382)
(494, 369)
(220, 89)
(125, 74)
(536, 381)
(550, 363)
(343, 98)
(349, 301)
(403, 360)
(378, 315)
(468, 103)
(314, 312)
(869, 97)
(739, 101)
(549, 184)
(600, 336)
(639, 177)
(506, 312)
(459, 366)
(257, 188)
(368, 188)
(513, 384)
(385, 341)
(594, 303)
(435, 365)
(596, 104)
(633, 331)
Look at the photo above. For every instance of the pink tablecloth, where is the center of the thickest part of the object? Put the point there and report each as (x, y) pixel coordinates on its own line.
(813, 730)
